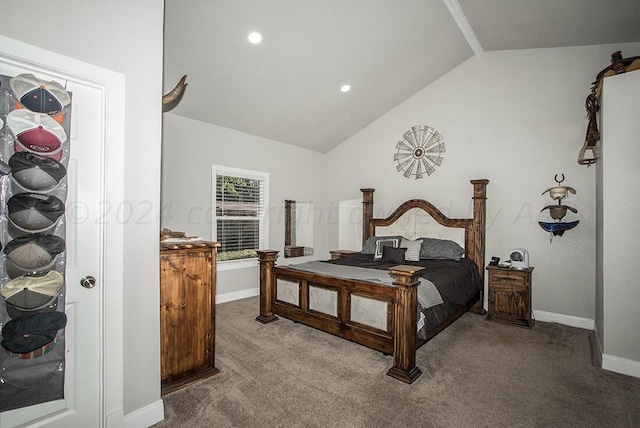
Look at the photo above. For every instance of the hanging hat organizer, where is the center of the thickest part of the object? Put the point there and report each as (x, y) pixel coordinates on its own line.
(35, 117)
(558, 211)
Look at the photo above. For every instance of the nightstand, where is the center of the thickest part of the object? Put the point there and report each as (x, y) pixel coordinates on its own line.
(293, 251)
(510, 296)
(337, 254)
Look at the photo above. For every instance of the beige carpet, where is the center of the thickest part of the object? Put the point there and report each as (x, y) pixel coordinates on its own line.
(475, 374)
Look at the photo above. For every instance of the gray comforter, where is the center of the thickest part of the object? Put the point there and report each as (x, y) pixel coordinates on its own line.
(457, 281)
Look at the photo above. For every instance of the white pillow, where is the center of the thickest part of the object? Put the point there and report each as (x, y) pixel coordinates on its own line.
(413, 249)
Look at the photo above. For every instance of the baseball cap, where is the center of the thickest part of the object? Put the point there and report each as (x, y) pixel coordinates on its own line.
(39, 95)
(36, 133)
(33, 213)
(31, 332)
(28, 294)
(36, 173)
(32, 254)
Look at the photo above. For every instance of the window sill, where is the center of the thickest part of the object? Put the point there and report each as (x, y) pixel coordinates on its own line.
(237, 264)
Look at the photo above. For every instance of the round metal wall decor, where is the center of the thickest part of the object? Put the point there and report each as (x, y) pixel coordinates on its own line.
(419, 152)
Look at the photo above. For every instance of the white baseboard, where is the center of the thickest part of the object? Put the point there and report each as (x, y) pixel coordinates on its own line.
(616, 364)
(569, 320)
(609, 362)
(621, 365)
(237, 295)
(599, 348)
(146, 416)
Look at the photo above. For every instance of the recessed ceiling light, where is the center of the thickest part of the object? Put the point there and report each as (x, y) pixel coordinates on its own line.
(255, 37)
(345, 88)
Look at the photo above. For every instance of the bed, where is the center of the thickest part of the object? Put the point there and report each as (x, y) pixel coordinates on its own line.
(370, 299)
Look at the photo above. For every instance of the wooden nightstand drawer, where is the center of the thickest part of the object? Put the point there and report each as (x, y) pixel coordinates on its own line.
(509, 276)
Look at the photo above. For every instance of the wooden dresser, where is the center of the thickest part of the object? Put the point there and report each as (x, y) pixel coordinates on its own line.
(510, 296)
(187, 312)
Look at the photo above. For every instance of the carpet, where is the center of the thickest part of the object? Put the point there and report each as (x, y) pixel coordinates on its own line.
(475, 374)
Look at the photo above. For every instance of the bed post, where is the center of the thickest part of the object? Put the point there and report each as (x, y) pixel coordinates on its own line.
(478, 230)
(406, 280)
(267, 259)
(367, 214)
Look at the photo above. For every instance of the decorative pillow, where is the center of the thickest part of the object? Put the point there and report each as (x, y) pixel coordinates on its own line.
(381, 243)
(392, 254)
(440, 249)
(413, 249)
(369, 246)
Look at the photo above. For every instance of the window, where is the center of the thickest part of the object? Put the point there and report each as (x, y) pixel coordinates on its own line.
(240, 213)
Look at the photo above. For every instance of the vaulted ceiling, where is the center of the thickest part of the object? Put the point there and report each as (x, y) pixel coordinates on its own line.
(287, 88)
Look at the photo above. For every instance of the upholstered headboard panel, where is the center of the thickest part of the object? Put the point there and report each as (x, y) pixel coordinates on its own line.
(417, 223)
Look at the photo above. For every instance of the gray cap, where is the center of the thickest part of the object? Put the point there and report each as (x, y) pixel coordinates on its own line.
(36, 173)
(32, 254)
(29, 294)
(33, 213)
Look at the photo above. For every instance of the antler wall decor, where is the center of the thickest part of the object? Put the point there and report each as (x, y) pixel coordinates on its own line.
(618, 65)
(172, 97)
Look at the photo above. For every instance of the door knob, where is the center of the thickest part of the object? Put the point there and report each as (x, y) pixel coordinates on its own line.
(88, 282)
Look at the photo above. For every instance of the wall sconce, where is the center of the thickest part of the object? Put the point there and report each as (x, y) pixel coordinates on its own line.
(558, 211)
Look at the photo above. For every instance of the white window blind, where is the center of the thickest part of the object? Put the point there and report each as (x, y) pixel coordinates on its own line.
(240, 202)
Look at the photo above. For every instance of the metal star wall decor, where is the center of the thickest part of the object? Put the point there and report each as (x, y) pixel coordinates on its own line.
(419, 152)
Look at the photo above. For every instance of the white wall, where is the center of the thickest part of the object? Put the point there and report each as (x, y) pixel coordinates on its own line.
(516, 118)
(190, 148)
(131, 43)
(619, 233)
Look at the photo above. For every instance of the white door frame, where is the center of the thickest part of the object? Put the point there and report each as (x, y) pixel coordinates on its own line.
(112, 86)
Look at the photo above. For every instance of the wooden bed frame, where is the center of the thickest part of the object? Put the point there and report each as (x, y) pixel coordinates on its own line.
(400, 338)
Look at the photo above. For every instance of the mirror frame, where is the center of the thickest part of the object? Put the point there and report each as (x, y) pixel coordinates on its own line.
(291, 250)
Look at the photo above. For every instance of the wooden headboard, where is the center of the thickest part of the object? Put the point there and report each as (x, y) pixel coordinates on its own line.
(474, 228)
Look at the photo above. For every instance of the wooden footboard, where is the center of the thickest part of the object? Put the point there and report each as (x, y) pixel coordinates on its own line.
(399, 336)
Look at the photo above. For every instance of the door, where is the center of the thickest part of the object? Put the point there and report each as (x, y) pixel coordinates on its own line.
(93, 354)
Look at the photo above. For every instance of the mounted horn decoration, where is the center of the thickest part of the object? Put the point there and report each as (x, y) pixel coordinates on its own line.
(559, 211)
(618, 65)
(171, 98)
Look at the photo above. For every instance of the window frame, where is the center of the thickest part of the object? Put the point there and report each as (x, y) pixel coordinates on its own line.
(264, 223)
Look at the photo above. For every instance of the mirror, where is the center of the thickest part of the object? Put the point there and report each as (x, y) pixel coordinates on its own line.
(298, 228)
